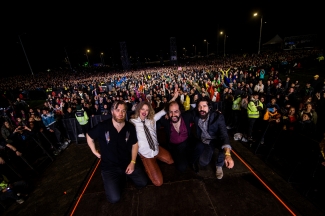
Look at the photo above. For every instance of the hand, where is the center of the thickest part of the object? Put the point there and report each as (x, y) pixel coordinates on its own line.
(51, 130)
(176, 93)
(97, 154)
(129, 170)
(323, 163)
(229, 162)
(2, 161)
(18, 153)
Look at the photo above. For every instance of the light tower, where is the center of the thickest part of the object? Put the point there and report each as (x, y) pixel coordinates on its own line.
(173, 51)
(124, 56)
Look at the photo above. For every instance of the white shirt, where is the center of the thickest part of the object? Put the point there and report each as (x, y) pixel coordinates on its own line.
(144, 148)
(259, 88)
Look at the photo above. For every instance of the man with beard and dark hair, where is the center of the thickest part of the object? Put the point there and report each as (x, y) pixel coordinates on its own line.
(178, 133)
(212, 133)
(118, 152)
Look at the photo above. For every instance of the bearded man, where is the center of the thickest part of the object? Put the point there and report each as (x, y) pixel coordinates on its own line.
(178, 133)
(118, 151)
(212, 133)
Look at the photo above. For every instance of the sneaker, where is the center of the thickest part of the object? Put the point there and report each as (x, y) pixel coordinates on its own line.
(228, 127)
(64, 146)
(244, 140)
(65, 143)
(81, 135)
(20, 201)
(219, 172)
(18, 194)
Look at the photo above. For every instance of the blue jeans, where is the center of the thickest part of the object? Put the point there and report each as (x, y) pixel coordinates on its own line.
(203, 154)
(113, 181)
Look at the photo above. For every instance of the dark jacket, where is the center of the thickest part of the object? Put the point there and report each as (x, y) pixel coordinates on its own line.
(216, 127)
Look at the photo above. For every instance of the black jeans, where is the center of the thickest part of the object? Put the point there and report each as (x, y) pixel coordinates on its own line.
(251, 122)
(113, 179)
(203, 154)
(179, 152)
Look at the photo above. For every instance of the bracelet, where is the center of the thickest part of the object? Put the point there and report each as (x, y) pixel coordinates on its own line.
(133, 161)
(227, 154)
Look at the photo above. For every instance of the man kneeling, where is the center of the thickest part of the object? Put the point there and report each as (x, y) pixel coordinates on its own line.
(118, 152)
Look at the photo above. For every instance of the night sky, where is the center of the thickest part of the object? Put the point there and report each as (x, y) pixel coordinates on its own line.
(48, 30)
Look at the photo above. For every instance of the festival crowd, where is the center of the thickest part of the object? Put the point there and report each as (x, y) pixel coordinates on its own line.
(253, 98)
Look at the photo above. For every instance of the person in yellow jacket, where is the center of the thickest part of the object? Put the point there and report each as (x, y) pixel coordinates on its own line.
(236, 111)
(186, 102)
(83, 119)
(253, 108)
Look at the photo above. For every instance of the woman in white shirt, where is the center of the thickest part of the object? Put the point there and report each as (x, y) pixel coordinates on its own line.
(149, 148)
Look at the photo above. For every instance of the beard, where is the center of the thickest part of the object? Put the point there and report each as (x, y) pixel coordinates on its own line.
(174, 121)
(118, 120)
(203, 114)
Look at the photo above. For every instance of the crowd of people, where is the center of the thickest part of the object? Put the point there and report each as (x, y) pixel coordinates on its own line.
(246, 96)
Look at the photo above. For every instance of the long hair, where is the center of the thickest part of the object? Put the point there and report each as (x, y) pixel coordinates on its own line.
(151, 113)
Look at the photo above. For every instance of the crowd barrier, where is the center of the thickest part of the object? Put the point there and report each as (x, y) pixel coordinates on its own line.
(36, 150)
(73, 127)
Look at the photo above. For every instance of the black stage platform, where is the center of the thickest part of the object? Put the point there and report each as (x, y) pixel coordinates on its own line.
(72, 185)
(244, 190)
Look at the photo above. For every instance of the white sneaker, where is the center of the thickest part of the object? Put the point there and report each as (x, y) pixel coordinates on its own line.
(81, 135)
(244, 139)
(228, 127)
(20, 201)
(64, 146)
(219, 172)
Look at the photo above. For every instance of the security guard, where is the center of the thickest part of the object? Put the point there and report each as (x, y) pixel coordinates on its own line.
(253, 112)
(82, 119)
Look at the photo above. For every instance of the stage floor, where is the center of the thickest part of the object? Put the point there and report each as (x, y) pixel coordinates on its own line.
(65, 188)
